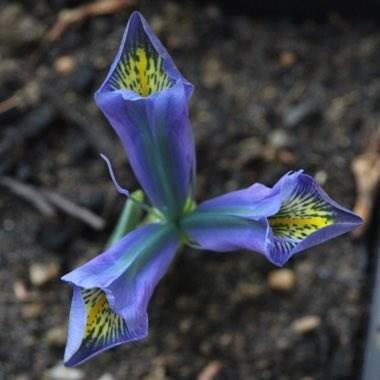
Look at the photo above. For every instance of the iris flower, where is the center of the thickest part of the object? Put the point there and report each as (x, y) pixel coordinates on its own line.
(145, 99)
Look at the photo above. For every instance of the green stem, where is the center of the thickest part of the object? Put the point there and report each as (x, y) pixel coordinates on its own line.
(129, 218)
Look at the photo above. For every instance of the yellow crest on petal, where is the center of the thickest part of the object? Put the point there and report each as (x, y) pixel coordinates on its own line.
(301, 215)
(140, 70)
(103, 325)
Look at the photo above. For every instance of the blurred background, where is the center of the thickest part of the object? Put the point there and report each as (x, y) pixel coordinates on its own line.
(277, 88)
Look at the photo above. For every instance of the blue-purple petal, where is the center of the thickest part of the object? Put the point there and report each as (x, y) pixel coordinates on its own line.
(142, 65)
(254, 202)
(157, 137)
(278, 222)
(222, 232)
(145, 99)
(112, 291)
(307, 217)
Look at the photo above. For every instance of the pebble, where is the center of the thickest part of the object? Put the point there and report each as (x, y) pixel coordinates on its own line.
(281, 279)
(31, 310)
(107, 376)
(42, 273)
(157, 373)
(20, 291)
(60, 372)
(279, 138)
(56, 336)
(287, 58)
(306, 324)
(321, 177)
(22, 377)
(211, 371)
(65, 64)
(248, 290)
(213, 73)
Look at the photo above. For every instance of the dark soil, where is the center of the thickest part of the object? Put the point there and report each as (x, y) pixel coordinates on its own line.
(271, 95)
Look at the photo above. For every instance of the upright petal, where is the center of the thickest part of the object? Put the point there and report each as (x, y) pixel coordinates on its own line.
(307, 217)
(142, 64)
(145, 99)
(112, 291)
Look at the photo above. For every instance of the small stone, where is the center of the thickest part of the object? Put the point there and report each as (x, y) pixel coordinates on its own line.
(60, 372)
(157, 373)
(21, 377)
(269, 93)
(249, 149)
(213, 73)
(56, 336)
(287, 58)
(31, 311)
(279, 138)
(281, 279)
(107, 376)
(248, 290)
(211, 371)
(42, 273)
(185, 324)
(306, 324)
(21, 292)
(65, 64)
(321, 177)
(287, 157)
(226, 339)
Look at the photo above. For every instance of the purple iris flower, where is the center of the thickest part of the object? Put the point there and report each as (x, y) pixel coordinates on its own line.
(145, 99)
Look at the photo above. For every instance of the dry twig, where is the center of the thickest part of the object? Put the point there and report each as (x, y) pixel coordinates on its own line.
(46, 202)
(211, 371)
(76, 211)
(70, 17)
(29, 194)
(366, 169)
(28, 95)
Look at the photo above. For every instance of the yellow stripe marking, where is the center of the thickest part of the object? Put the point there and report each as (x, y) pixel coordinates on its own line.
(317, 221)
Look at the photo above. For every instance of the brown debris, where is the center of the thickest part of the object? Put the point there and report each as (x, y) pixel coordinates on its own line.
(211, 370)
(287, 58)
(366, 169)
(65, 64)
(28, 95)
(21, 292)
(56, 336)
(29, 194)
(306, 324)
(74, 210)
(47, 202)
(70, 17)
(32, 310)
(42, 273)
(281, 279)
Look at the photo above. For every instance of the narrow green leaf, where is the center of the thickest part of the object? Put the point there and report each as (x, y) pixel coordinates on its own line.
(129, 218)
